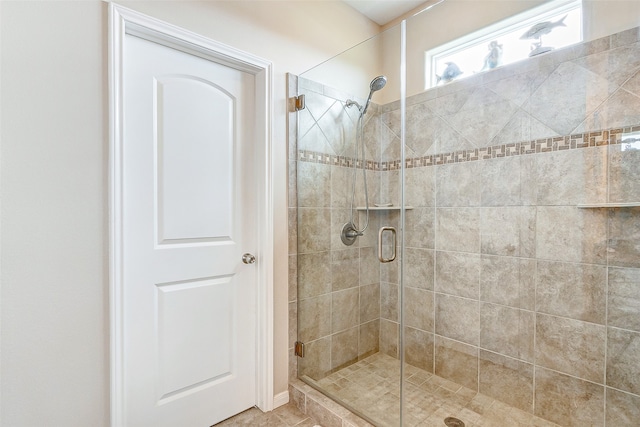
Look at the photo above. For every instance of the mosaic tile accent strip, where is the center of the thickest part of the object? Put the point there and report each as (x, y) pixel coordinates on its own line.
(545, 145)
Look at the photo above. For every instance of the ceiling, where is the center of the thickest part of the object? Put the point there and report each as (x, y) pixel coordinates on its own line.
(384, 11)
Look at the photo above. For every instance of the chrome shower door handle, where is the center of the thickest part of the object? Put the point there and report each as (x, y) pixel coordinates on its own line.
(380, 233)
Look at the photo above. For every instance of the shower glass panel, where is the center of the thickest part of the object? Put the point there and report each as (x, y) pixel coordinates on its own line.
(348, 299)
(515, 193)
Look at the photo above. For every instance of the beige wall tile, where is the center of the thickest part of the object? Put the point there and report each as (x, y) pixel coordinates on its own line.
(314, 274)
(456, 362)
(345, 309)
(623, 409)
(369, 302)
(624, 173)
(369, 266)
(420, 229)
(344, 347)
(457, 318)
(314, 317)
(418, 309)
(345, 269)
(509, 331)
(633, 84)
(389, 301)
(419, 187)
(314, 185)
(421, 128)
(480, 123)
(568, 401)
(316, 362)
(508, 231)
(418, 348)
(572, 290)
(418, 268)
(507, 380)
(389, 337)
(389, 187)
(457, 185)
(508, 281)
(624, 298)
(313, 139)
(620, 110)
(338, 128)
(565, 98)
(370, 236)
(564, 233)
(624, 237)
(341, 182)
(458, 273)
(369, 338)
(623, 360)
(571, 346)
(500, 182)
(565, 178)
(313, 224)
(458, 229)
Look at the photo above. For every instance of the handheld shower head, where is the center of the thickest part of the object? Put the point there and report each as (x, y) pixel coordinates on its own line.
(376, 84)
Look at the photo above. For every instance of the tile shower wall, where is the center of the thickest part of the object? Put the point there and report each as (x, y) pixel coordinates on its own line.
(510, 288)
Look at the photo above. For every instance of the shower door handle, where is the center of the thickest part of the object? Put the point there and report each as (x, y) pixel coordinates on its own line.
(380, 233)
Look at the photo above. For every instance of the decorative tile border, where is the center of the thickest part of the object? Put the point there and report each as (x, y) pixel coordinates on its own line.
(544, 145)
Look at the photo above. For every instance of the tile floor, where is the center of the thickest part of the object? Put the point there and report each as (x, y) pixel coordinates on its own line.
(372, 385)
(284, 416)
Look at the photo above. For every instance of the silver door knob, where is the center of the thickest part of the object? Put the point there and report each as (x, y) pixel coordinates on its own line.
(248, 259)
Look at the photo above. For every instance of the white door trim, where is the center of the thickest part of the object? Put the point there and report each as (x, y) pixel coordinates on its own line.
(126, 21)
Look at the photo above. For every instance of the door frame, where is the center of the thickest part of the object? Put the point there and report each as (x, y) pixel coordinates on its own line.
(126, 21)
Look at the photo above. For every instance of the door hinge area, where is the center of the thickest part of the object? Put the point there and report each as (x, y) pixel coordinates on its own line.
(299, 102)
(299, 349)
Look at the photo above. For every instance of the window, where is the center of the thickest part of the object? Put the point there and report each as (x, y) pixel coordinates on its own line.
(502, 43)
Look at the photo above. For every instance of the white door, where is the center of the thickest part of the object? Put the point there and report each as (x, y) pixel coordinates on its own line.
(189, 198)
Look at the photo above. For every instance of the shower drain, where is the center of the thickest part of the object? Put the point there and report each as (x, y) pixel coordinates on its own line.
(453, 422)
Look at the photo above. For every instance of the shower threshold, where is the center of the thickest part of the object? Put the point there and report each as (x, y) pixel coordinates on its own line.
(370, 389)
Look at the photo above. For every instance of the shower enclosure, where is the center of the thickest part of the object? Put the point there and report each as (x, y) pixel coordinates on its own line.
(498, 279)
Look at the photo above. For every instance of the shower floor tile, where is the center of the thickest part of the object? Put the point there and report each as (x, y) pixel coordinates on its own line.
(371, 387)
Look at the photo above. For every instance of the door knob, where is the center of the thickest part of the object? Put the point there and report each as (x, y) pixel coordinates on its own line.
(248, 259)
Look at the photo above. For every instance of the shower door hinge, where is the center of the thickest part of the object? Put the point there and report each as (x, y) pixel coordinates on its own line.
(299, 102)
(299, 349)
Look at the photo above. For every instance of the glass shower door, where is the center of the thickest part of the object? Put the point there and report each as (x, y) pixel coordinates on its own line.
(348, 229)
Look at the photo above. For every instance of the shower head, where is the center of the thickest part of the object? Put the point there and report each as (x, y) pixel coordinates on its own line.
(376, 84)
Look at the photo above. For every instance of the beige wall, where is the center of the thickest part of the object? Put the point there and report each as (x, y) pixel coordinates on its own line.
(53, 170)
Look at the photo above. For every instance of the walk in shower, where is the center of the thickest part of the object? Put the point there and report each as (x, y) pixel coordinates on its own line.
(497, 282)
